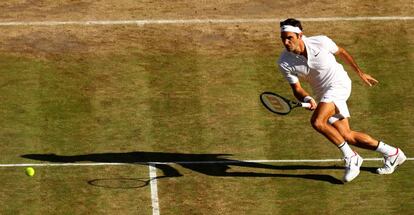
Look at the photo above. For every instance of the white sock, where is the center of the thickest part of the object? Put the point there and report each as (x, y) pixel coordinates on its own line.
(346, 150)
(386, 149)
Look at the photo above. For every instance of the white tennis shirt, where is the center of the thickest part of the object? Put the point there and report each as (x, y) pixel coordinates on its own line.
(320, 69)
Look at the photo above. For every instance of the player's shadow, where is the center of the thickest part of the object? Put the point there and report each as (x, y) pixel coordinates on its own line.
(208, 164)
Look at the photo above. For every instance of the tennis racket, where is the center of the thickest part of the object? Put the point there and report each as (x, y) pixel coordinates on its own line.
(278, 104)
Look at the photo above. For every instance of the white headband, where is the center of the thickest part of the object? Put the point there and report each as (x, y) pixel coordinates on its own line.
(290, 28)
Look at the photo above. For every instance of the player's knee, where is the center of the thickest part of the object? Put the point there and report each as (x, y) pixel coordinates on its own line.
(318, 124)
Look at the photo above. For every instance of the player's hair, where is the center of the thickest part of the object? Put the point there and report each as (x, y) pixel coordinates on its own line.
(292, 22)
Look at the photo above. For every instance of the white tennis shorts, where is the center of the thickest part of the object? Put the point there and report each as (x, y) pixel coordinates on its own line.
(338, 94)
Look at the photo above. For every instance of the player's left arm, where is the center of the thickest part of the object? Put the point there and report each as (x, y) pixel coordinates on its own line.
(347, 58)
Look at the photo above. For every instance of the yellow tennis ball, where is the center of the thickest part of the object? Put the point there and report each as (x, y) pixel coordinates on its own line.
(30, 171)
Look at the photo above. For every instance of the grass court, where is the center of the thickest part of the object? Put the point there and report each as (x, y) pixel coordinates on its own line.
(128, 95)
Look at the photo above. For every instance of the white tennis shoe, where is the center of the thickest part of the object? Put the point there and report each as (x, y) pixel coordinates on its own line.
(352, 165)
(392, 162)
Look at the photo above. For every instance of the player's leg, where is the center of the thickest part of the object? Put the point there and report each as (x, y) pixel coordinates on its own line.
(320, 123)
(393, 157)
(355, 138)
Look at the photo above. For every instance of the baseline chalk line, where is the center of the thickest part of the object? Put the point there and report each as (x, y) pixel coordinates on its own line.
(199, 21)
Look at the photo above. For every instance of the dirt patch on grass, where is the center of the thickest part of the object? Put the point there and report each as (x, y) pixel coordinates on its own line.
(203, 39)
(207, 39)
(44, 42)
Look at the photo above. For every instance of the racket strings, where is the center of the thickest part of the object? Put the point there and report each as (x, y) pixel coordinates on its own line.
(276, 104)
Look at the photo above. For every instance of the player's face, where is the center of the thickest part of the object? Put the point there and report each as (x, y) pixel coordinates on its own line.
(291, 41)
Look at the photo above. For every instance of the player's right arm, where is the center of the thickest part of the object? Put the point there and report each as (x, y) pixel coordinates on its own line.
(293, 80)
(302, 95)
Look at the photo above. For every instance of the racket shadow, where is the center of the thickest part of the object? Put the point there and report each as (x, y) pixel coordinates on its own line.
(119, 183)
(207, 164)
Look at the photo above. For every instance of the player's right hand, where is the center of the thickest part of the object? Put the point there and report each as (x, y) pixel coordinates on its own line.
(313, 103)
(310, 100)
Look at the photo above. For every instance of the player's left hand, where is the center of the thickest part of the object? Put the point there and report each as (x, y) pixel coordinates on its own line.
(368, 80)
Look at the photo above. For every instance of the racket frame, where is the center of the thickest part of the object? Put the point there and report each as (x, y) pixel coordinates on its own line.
(291, 104)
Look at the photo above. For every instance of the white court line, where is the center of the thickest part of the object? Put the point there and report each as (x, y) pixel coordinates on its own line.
(198, 21)
(229, 161)
(154, 189)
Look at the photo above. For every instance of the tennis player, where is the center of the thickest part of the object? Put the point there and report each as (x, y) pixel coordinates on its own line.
(312, 59)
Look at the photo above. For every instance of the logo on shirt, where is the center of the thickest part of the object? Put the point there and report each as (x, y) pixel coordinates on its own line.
(316, 55)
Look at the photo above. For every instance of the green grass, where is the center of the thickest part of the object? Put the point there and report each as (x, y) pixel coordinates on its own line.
(195, 104)
(68, 190)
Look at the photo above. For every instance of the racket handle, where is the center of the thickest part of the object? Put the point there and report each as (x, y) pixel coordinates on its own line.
(306, 105)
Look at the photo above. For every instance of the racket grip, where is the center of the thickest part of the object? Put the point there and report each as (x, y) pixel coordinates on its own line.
(306, 105)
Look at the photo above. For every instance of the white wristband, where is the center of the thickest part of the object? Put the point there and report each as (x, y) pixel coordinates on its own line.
(307, 99)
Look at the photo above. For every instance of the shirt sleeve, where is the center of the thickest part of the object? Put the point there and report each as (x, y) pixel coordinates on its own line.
(287, 73)
(329, 45)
